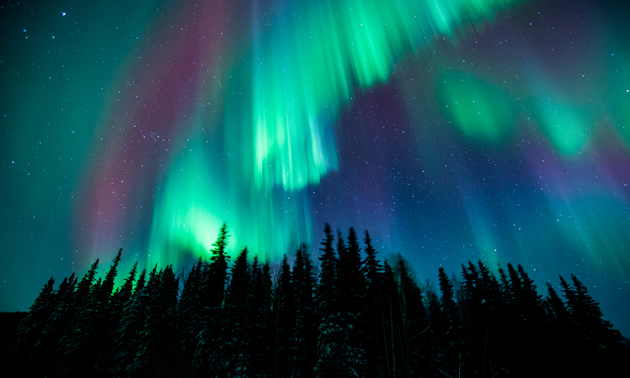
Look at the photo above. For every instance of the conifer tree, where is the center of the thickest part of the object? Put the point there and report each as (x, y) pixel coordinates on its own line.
(235, 338)
(207, 358)
(42, 355)
(410, 337)
(389, 308)
(107, 288)
(30, 328)
(588, 317)
(123, 294)
(304, 338)
(562, 333)
(217, 274)
(479, 323)
(372, 268)
(335, 356)
(326, 291)
(80, 346)
(257, 325)
(341, 268)
(532, 316)
(127, 338)
(372, 326)
(267, 320)
(284, 316)
(447, 299)
(189, 319)
(108, 319)
(360, 319)
(449, 327)
(558, 311)
(350, 286)
(156, 336)
(598, 343)
(161, 325)
(86, 284)
(352, 282)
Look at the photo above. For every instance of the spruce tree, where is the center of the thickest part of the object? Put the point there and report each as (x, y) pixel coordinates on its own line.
(189, 319)
(284, 316)
(371, 303)
(29, 332)
(449, 327)
(562, 335)
(208, 357)
(80, 347)
(256, 323)
(304, 332)
(43, 353)
(390, 322)
(353, 284)
(235, 339)
(411, 327)
(326, 291)
(588, 317)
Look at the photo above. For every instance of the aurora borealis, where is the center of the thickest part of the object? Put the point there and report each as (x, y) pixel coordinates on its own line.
(452, 130)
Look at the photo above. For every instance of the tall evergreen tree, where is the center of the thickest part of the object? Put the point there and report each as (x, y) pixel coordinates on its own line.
(107, 288)
(188, 319)
(372, 325)
(350, 287)
(42, 355)
(449, 328)
(235, 339)
(599, 343)
(304, 332)
(85, 285)
(284, 316)
(108, 319)
(389, 308)
(352, 281)
(259, 320)
(562, 336)
(364, 320)
(90, 333)
(207, 358)
(410, 337)
(326, 292)
(588, 317)
(30, 328)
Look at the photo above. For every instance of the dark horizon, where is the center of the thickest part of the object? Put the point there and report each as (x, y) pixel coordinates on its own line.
(356, 316)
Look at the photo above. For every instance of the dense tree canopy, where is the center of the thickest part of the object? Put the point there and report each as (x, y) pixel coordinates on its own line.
(357, 316)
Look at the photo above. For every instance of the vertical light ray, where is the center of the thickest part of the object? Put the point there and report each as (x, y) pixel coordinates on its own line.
(189, 211)
(314, 58)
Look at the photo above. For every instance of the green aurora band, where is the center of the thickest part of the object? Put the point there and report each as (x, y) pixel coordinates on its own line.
(309, 65)
(451, 130)
(305, 67)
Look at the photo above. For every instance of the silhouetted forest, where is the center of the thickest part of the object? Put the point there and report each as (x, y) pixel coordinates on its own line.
(349, 315)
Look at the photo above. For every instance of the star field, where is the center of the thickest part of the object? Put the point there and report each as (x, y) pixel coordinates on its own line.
(452, 130)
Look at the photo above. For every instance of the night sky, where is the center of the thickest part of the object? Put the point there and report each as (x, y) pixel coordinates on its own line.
(452, 130)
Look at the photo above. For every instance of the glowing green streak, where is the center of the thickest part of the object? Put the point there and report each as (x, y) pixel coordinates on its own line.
(311, 60)
(304, 68)
(566, 125)
(187, 213)
(478, 109)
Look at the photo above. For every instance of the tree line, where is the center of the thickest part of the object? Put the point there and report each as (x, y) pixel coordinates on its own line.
(351, 316)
